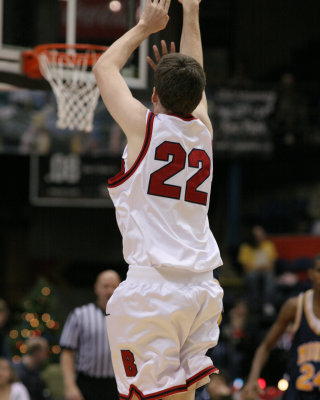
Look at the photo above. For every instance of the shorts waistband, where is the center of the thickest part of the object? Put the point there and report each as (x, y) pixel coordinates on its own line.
(162, 275)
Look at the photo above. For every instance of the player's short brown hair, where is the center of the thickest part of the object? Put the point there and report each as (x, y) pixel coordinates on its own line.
(179, 81)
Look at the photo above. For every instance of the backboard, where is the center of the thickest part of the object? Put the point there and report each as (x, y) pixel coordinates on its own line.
(25, 24)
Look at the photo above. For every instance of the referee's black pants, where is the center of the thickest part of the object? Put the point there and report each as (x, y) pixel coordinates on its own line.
(97, 388)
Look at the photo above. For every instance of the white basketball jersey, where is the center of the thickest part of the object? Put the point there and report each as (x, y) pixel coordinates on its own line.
(162, 201)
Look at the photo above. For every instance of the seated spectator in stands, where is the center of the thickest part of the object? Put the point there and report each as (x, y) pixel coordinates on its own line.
(4, 315)
(238, 335)
(10, 389)
(257, 259)
(290, 112)
(29, 368)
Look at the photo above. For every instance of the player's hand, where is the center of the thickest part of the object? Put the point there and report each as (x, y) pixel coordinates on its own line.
(157, 55)
(251, 391)
(73, 393)
(155, 15)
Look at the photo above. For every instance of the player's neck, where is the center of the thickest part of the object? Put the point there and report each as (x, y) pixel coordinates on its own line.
(316, 303)
(159, 109)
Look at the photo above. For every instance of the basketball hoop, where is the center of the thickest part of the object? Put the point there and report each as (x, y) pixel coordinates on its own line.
(68, 69)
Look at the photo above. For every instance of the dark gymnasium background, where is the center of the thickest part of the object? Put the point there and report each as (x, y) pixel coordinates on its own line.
(262, 67)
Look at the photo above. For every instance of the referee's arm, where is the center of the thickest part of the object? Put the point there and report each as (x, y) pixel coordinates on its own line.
(72, 392)
(69, 343)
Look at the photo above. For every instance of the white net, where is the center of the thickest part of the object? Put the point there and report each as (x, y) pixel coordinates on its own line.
(74, 86)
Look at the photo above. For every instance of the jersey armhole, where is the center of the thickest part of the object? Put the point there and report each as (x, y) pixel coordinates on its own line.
(298, 317)
(122, 176)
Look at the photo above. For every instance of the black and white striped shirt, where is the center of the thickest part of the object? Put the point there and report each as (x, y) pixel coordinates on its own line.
(85, 332)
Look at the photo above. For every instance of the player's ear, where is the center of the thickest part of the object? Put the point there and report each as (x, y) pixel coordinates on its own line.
(154, 97)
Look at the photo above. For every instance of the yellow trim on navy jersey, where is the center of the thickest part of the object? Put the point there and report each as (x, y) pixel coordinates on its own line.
(310, 316)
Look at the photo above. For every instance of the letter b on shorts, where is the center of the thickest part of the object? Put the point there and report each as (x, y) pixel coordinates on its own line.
(128, 363)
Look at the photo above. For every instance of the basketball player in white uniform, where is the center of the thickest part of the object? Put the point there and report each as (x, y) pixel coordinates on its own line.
(164, 317)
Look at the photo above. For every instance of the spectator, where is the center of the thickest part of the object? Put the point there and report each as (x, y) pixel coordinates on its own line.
(236, 338)
(10, 389)
(240, 78)
(29, 368)
(4, 315)
(290, 112)
(238, 335)
(86, 358)
(257, 259)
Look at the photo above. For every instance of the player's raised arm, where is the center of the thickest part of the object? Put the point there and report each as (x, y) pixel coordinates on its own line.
(191, 45)
(128, 112)
(286, 315)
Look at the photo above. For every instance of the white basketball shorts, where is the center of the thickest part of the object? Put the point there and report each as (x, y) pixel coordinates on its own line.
(160, 325)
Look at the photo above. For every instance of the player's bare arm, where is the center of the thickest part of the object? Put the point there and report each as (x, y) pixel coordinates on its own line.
(127, 111)
(191, 45)
(286, 315)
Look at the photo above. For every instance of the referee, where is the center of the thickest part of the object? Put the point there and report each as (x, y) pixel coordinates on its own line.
(86, 358)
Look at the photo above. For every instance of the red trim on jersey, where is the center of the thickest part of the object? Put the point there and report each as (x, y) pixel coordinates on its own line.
(202, 374)
(170, 391)
(183, 117)
(122, 176)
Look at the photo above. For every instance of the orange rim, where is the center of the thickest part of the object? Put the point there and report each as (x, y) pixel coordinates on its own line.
(90, 58)
(30, 58)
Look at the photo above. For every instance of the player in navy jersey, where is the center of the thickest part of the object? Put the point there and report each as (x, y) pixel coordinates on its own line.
(304, 356)
(165, 316)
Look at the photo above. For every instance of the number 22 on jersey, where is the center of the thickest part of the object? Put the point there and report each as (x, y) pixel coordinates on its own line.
(197, 158)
